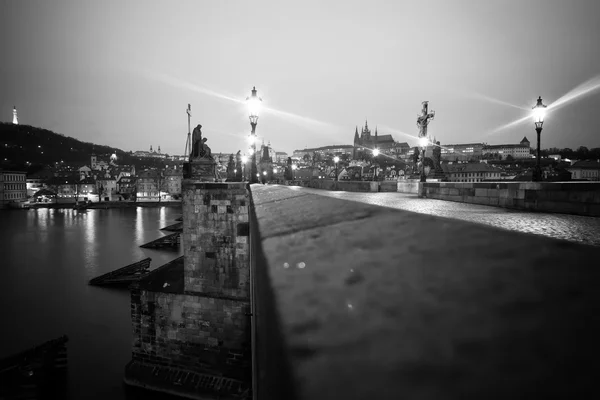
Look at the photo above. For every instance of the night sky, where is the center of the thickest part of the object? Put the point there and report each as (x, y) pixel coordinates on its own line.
(121, 73)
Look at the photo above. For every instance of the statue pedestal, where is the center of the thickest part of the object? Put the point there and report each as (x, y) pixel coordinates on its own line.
(203, 170)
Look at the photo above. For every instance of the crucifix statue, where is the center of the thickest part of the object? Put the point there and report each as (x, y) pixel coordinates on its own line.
(424, 119)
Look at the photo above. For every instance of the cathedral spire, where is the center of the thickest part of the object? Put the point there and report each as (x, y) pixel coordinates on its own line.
(356, 138)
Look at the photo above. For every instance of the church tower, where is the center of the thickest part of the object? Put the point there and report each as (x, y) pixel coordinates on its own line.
(15, 118)
(366, 133)
(356, 143)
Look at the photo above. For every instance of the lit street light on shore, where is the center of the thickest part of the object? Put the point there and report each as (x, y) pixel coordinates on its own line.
(244, 161)
(539, 112)
(294, 167)
(336, 160)
(375, 154)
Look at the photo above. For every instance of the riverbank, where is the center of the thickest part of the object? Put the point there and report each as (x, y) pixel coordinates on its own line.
(110, 204)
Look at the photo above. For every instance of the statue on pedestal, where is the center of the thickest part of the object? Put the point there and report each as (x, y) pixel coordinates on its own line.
(199, 147)
(201, 166)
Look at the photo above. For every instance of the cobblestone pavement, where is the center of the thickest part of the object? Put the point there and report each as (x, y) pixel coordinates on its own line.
(574, 228)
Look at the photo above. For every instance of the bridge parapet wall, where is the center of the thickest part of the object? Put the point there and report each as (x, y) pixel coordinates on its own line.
(355, 301)
(580, 198)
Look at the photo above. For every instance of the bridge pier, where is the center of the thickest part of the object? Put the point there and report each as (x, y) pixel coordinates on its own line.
(192, 320)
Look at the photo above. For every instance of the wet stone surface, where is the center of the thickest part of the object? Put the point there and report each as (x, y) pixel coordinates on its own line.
(402, 304)
(574, 228)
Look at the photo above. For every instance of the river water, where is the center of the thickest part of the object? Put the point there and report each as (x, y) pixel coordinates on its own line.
(47, 258)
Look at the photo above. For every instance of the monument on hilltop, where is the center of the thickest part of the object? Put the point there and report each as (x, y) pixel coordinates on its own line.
(15, 118)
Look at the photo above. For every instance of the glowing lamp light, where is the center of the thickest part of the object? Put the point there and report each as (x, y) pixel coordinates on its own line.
(336, 159)
(265, 173)
(258, 175)
(539, 112)
(235, 171)
(294, 166)
(376, 152)
(253, 106)
(274, 170)
(423, 141)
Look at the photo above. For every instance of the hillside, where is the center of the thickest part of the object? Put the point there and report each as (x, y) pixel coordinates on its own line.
(20, 144)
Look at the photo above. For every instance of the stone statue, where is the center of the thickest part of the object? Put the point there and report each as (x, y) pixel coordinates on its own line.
(199, 147)
(437, 155)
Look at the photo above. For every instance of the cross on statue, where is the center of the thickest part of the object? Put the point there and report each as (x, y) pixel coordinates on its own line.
(188, 143)
(424, 119)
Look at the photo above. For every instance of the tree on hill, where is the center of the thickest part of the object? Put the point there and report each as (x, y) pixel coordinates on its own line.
(26, 147)
(238, 167)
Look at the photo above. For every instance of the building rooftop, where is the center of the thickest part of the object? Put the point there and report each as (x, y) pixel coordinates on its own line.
(586, 164)
(510, 146)
(469, 167)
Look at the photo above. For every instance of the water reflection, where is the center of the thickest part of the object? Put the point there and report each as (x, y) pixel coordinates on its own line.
(47, 258)
(139, 225)
(90, 250)
(163, 216)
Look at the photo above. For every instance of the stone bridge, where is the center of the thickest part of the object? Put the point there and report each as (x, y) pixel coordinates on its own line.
(288, 292)
(388, 296)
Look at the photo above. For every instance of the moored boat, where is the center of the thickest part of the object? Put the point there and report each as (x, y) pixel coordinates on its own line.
(37, 373)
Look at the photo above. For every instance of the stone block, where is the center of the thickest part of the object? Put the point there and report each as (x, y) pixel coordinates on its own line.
(581, 196)
(480, 192)
(520, 194)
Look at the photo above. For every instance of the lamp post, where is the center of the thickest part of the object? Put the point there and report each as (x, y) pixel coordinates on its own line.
(423, 143)
(264, 177)
(539, 111)
(336, 160)
(244, 161)
(253, 109)
(294, 167)
(375, 154)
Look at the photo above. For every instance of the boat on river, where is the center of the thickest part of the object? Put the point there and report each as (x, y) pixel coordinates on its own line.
(37, 373)
(80, 206)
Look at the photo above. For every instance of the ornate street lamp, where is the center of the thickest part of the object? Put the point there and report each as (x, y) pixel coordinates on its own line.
(539, 112)
(244, 161)
(294, 167)
(336, 160)
(375, 154)
(423, 141)
(253, 109)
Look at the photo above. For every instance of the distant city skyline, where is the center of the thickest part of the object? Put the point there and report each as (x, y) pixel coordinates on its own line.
(122, 74)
